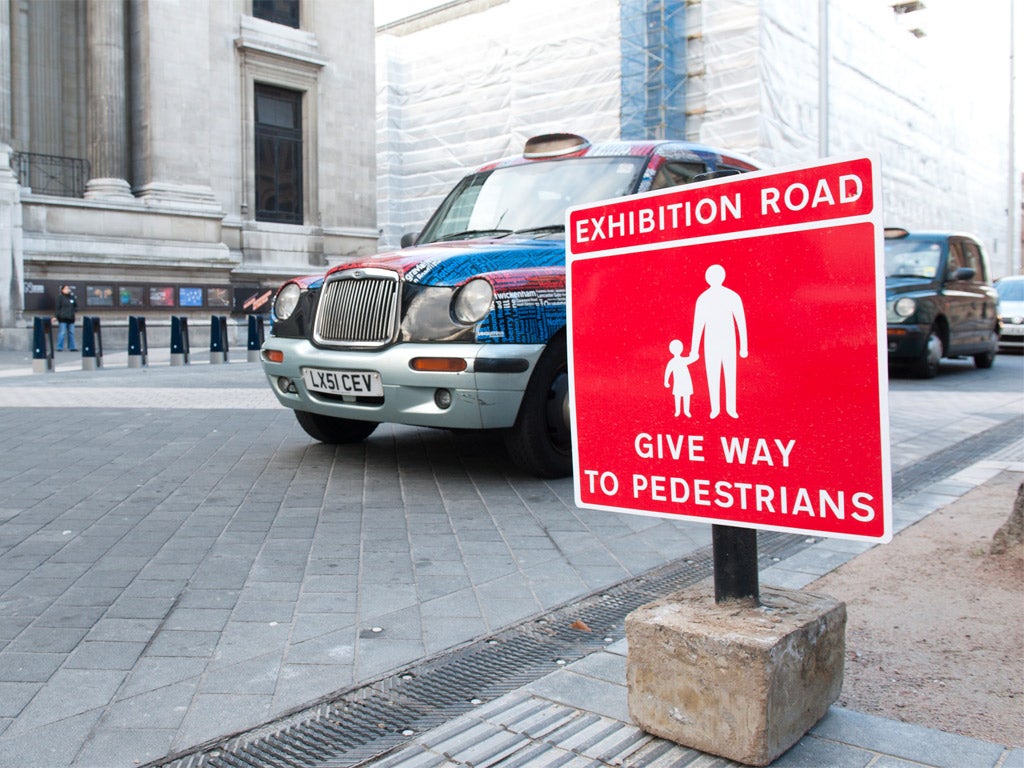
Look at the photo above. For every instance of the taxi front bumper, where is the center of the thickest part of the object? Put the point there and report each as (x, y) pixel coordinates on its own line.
(486, 395)
(906, 341)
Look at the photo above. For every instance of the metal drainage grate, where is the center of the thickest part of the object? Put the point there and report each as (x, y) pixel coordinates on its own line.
(364, 723)
(369, 721)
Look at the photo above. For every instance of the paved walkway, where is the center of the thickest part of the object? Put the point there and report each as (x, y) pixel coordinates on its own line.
(578, 717)
(178, 562)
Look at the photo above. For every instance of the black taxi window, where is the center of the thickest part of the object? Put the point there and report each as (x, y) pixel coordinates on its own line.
(972, 259)
(955, 259)
(673, 173)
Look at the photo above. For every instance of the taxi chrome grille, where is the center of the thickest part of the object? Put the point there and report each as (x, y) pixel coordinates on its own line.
(359, 307)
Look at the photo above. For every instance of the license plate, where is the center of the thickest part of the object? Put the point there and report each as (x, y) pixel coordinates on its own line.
(365, 383)
(1013, 330)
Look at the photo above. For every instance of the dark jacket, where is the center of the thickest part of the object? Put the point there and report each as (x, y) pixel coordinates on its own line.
(66, 305)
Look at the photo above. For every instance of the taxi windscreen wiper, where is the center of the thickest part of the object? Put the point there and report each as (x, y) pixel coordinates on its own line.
(538, 230)
(470, 233)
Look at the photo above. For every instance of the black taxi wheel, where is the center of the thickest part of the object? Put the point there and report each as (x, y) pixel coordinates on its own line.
(330, 429)
(540, 442)
(926, 366)
(986, 359)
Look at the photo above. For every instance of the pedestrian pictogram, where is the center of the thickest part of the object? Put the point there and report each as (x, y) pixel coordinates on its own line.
(677, 376)
(727, 352)
(719, 321)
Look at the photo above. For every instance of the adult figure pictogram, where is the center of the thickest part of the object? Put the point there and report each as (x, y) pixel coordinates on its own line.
(719, 320)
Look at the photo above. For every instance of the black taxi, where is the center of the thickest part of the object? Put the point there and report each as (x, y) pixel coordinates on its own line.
(940, 302)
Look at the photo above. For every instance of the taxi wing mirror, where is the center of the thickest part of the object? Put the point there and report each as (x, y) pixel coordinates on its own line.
(964, 273)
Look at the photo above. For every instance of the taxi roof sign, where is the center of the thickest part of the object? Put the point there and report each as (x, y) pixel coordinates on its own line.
(727, 352)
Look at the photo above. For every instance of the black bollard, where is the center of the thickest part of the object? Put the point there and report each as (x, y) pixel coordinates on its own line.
(256, 337)
(42, 345)
(92, 344)
(138, 344)
(218, 339)
(180, 347)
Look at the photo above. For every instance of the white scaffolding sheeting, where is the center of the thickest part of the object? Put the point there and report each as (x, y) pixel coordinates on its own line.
(473, 89)
(470, 86)
(723, 89)
(933, 108)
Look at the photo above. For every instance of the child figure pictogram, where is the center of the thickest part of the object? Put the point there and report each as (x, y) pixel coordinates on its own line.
(678, 377)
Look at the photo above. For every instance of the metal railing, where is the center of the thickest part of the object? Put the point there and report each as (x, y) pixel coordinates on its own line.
(51, 174)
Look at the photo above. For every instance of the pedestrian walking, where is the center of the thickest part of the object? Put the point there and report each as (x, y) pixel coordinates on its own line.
(65, 316)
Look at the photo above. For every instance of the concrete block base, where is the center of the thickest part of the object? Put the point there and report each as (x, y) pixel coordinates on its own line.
(739, 680)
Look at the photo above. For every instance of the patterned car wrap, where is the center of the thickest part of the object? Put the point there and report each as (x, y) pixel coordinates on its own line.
(528, 276)
(528, 279)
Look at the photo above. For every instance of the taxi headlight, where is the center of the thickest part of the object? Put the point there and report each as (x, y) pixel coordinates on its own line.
(286, 301)
(904, 307)
(473, 301)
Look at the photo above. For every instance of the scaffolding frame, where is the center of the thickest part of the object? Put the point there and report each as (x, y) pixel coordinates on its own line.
(653, 49)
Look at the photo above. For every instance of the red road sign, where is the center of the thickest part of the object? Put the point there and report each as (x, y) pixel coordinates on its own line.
(727, 352)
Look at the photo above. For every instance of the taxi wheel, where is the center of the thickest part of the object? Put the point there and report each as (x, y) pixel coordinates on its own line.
(540, 442)
(330, 429)
(986, 359)
(927, 364)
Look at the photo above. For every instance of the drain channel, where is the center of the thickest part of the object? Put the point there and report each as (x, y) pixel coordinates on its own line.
(373, 719)
(948, 461)
(353, 727)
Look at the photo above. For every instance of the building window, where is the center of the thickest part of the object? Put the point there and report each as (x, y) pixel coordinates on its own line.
(278, 155)
(278, 11)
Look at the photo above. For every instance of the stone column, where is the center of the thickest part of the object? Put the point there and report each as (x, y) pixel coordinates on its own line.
(11, 264)
(6, 124)
(108, 114)
(19, 73)
(11, 257)
(44, 102)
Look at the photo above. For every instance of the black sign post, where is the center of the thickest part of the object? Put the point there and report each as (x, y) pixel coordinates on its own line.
(735, 563)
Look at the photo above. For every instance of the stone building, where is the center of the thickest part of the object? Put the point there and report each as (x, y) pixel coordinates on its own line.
(180, 156)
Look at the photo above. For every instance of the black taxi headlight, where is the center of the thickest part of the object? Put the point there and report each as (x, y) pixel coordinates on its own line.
(904, 307)
(473, 301)
(286, 301)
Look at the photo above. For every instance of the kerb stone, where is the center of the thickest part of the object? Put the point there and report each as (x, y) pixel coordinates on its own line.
(736, 679)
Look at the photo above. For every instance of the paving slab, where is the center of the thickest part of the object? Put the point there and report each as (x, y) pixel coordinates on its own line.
(178, 561)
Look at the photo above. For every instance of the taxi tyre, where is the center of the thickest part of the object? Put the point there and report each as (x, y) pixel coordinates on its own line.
(540, 442)
(986, 359)
(926, 365)
(331, 429)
